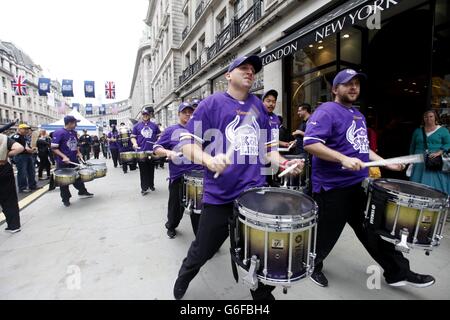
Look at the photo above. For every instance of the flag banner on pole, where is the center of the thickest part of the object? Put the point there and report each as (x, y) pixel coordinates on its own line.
(89, 89)
(67, 88)
(44, 86)
(51, 99)
(19, 86)
(110, 90)
(88, 108)
(102, 109)
(76, 106)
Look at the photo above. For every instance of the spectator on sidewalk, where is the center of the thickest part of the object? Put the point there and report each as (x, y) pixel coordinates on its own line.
(8, 195)
(43, 146)
(26, 174)
(85, 145)
(96, 147)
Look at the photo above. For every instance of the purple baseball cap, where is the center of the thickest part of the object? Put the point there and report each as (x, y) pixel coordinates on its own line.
(184, 105)
(69, 119)
(346, 75)
(255, 61)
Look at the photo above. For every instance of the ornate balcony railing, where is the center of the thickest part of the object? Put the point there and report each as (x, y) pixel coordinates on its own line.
(233, 30)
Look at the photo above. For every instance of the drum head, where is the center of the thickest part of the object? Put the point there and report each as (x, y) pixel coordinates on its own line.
(276, 201)
(97, 162)
(408, 188)
(65, 172)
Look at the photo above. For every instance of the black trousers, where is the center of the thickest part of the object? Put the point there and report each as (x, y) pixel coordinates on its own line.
(212, 232)
(147, 173)
(86, 153)
(175, 208)
(96, 153)
(64, 190)
(346, 205)
(125, 166)
(44, 163)
(8, 197)
(115, 156)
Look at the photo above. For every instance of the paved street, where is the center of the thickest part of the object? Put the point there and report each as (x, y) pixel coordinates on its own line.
(117, 241)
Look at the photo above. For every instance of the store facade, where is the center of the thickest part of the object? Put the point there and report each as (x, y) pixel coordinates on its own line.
(403, 47)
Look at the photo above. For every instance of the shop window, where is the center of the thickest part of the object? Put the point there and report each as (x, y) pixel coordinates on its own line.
(350, 46)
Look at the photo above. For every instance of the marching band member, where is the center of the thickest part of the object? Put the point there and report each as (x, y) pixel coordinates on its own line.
(336, 135)
(222, 113)
(166, 146)
(65, 147)
(125, 145)
(143, 137)
(113, 144)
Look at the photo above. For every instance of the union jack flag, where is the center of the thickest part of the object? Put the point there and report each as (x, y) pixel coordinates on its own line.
(110, 90)
(19, 86)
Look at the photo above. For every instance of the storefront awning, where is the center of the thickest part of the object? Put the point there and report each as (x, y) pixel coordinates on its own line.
(348, 14)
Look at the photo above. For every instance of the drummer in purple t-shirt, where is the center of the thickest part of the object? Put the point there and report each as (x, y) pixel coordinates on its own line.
(167, 146)
(65, 147)
(336, 135)
(144, 135)
(235, 121)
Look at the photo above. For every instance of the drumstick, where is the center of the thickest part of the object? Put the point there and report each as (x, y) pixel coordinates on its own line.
(289, 169)
(74, 163)
(415, 158)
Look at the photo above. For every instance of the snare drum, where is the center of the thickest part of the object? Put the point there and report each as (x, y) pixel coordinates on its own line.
(193, 191)
(142, 156)
(274, 235)
(405, 213)
(65, 176)
(128, 157)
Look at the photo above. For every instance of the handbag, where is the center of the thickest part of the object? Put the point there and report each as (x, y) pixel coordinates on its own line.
(446, 162)
(432, 164)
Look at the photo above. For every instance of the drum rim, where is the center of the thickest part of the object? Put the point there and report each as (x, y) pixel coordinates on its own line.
(444, 201)
(271, 217)
(271, 226)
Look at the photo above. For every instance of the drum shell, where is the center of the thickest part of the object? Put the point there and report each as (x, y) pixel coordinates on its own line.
(100, 171)
(284, 243)
(87, 174)
(389, 212)
(142, 156)
(65, 176)
(128, 157)
(193, 191)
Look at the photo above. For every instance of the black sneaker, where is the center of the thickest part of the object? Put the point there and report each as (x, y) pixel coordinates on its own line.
(319, 278)
(152, 188)
(85, 194)
(144, 192)
(10, 230)
(25, 191)
(171, 233)
(66, 203)
(179, 289)
(415, 280)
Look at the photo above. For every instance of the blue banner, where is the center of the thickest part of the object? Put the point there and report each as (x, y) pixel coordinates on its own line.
(76, 106)
(67, 88)
(89, 89)
(88, 108)
(44, 86)
(102, 109)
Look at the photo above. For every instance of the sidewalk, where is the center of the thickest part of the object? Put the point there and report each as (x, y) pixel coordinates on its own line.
(118, 243)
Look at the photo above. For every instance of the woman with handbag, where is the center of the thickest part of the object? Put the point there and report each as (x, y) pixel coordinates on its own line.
(431, 140)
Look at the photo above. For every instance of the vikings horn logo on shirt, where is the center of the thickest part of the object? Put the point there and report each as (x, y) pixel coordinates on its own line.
(72, 144)
(245, 137)
(147, 132)
(358, 138)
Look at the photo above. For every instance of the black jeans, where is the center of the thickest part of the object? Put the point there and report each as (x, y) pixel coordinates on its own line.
(147, 173)
(346, 205)
(44, 163)
(175, 208)
(86, 152)
(64, 190)
(115, 156)
(212, 232)
(125, 165)
(8, 197)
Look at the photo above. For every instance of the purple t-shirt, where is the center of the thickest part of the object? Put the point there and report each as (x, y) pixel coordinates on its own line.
(170, 140)
(114, 135)
(218, 122)
(341, 129)
(67, 142)
(145, 132)
(275, 123)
